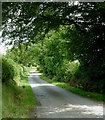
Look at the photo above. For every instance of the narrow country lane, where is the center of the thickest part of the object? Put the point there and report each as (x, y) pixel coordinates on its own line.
(55, 102)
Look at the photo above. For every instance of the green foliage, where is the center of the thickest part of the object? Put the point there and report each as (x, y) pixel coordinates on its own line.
(11, 70)
(71, 69)
(56, 56)
(36, 19)
(22, 54)
(8, 69)
(53, 57)
(62, 32)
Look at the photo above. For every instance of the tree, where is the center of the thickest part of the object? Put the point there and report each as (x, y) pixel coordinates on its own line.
(22, 54)
(23, 21)
(30, 22)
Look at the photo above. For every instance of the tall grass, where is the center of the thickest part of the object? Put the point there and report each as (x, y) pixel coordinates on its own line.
(17, 100)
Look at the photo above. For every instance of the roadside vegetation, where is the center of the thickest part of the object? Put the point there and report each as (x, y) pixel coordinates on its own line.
(17, 94)
(93, 95)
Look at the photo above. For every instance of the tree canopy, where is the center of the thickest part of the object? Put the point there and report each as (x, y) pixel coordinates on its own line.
(62, 31)
(25, 21)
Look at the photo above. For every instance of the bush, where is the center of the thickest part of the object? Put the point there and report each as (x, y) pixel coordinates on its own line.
(71, 68)
(11, 69)
(8, 69)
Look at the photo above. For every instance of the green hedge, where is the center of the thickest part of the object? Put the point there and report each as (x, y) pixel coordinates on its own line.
(11, 69)
(8, 69)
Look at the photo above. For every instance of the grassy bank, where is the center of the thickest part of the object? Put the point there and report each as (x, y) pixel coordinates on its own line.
(95, 96)
(17, 99)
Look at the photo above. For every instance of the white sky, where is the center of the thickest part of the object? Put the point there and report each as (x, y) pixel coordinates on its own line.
(3, 48)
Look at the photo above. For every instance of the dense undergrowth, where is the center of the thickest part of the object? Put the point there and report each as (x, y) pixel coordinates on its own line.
(17, 95)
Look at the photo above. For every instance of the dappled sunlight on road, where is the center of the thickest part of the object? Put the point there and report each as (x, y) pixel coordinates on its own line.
(75, 111)
(97, 110)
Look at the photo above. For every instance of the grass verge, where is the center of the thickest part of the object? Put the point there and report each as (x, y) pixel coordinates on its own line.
(17, 99)
(95, 96)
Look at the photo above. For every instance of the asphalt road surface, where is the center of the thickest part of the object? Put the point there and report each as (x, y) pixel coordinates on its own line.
(56, 102)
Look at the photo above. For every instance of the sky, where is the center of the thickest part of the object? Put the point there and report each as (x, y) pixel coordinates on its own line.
(3, 48)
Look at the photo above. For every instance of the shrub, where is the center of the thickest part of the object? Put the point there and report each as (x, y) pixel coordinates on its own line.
(11, 69)
(71, 68)
(8, 69)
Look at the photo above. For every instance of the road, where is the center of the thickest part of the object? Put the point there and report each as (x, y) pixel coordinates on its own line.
(56, 102)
